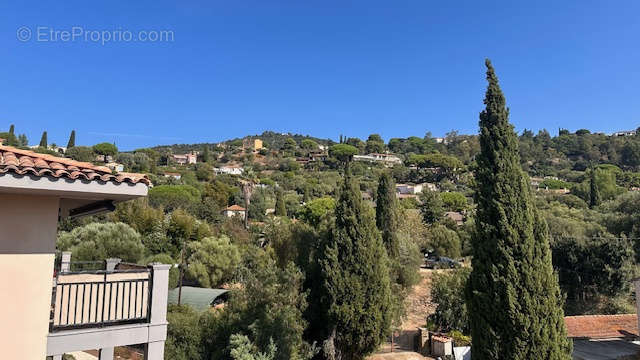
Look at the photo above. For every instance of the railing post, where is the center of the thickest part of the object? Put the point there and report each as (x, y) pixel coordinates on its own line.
(65, 263)
(159, 292)
(154, 349)
(111, 263)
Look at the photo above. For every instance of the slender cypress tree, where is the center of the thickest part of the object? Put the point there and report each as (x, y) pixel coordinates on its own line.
(72, 140)
(594, 193)
(281, 209)
(386, 214)
(43, 140)
(12, 129)
(356, 285)
(513, 296)
(206, 154)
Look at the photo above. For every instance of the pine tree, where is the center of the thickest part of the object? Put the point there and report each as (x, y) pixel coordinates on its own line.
(513, 296)
(43, 140)
(12, 129)
(356, 285)
(594, 193)
(72, 140)
(281, 209)
(386, 214)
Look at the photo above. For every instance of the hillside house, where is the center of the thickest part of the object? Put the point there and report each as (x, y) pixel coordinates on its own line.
(387, 159)
(252, 144)
(49, 315)
(235, 210)
(115, 166)
(185, 159)
(229, 170)
(415, 188)
(457, 217)
(173, 175)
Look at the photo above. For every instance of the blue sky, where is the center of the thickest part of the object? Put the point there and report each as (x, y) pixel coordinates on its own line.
(324, 68)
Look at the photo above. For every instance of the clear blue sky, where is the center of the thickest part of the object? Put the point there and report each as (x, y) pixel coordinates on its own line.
(397, 68)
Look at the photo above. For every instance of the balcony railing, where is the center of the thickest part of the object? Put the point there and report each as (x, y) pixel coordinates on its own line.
(100, 298)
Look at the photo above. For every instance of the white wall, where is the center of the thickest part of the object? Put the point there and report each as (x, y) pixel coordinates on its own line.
(27, 246)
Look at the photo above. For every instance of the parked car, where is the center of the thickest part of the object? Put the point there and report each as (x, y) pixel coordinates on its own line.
(440, 262)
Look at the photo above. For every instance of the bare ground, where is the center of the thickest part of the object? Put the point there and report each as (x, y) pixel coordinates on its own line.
(418, 306)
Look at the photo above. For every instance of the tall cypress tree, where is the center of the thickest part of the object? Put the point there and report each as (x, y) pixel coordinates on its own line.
(72, 140)
(386, 214)
(12, 129)
(281, 209)
(43, 140)
(594, 193)
(513, 296)
(356, 285)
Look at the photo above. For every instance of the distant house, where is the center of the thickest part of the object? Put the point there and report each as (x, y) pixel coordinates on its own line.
(200, 299)
(387, 159)
(624, 133)
(455, 216)
(255, 144)
(174, 175)
(366, 196)
(269, 211)
(235, 210)
(115, 166)
(318, 156)
(229, 170)
(190, 158)
(415, 188)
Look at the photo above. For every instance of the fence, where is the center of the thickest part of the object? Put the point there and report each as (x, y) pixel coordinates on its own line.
(101, 298)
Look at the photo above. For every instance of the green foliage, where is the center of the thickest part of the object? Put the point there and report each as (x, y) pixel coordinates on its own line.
(105, 149)
(72, 140)
(554, 184)
(444, 241)
(309, 144)
(454, 201)
(267, 309)
(98, 242)
(432, 206)
(243, 349)
(9, 139)
(213, 261)
(387, 215)
(447, 291)
(280, 209)
(513, 297)
(184, 335)
(81, 153)
(43, 140)
(374, 144)
(343, 152)
(170, 197)
(318, 210)
(590, 267)
(356, 279)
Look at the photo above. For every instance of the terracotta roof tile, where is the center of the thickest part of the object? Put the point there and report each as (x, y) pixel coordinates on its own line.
(235, 208)
(602, 326)
(24, 162)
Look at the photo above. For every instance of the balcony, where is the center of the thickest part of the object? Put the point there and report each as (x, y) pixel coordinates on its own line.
(101, 305)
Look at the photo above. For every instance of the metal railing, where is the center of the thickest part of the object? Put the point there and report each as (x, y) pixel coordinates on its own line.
(100, 298)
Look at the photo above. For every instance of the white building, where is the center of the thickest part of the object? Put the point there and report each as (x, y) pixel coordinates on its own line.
(190, 158)
(388, 159)
(414, 189)
(235, 210)
(229, 170)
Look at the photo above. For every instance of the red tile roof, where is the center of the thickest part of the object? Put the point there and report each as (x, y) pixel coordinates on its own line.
(24, 162)
(602, 326)
(235, 208)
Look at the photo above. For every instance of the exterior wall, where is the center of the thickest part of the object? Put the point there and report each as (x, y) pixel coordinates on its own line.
(27, 252)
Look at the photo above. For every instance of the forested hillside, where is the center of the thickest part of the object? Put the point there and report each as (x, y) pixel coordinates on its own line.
(297, 196)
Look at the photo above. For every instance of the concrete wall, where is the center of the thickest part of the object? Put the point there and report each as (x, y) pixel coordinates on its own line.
(27, 248)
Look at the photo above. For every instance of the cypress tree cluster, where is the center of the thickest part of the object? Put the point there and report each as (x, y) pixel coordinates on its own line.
(355, 275)
(514, 301)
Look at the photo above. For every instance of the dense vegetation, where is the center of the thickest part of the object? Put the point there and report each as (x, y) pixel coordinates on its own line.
(297, 268)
